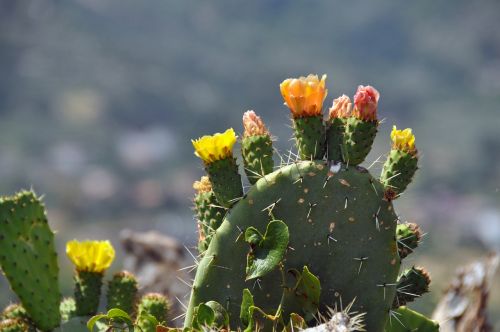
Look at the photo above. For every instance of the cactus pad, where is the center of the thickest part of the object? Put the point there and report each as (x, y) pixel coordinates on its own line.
(28, 257)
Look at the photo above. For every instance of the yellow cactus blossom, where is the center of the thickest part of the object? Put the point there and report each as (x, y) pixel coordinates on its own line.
(304, 95)
(91, 256)
(202, 186)
(215, 147)
(403, 139)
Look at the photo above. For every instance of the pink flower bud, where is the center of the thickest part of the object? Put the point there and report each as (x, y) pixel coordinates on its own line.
(253, 124)
(365, 103)
(341, 108)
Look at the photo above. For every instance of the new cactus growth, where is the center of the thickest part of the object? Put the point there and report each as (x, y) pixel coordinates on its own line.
(208, 212)
(28, 257)
(122, 292)
(256, 147)
(313, 233)
(67, 309)
(401, 164)
(155, 305)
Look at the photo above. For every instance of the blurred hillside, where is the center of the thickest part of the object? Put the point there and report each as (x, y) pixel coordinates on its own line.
(99, 100)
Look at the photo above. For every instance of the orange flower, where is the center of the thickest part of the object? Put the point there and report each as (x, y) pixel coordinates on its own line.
(304, 96)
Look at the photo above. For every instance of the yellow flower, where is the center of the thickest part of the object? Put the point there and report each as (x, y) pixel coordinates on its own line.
(215, 147)
(304, 95)
(403, 139)
(90, 256)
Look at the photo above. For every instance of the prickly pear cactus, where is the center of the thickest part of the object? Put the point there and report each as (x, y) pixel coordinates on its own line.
(28, 257)
(317, 232)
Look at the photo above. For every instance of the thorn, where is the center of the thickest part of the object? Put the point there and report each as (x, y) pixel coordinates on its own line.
(361, 260)
(184, 282)
(377, 223)
(329, 237)
(182, 304)
(374, 162)
(311, 205)
(345, 206)
(384, 285)
(271, 207)
(257, 281)
(373, 186)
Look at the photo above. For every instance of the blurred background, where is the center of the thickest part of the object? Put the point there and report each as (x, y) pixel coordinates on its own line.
(99, 100)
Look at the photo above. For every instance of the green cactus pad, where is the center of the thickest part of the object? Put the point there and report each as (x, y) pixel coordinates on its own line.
(340, 227)
(358, 139)
(411, 285)
(335, 139)
(28, 257)
(257, 152)
(67, 309)
(408, 236)
(122, 292)
(226, 181)
(209, 215)
(404, 320)
(398, 172)
(310, 137)
(87, 292)
(153, 304)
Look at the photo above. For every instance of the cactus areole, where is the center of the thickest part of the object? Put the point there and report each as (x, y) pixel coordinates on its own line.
(317, 233)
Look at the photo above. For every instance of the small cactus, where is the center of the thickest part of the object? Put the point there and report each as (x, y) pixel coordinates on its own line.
(28, 257)
(91, 259)
(122, 292)
(155, 305)
(316, 231)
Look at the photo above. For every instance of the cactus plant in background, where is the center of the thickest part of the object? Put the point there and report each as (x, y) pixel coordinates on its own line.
(28, 257)
(91, 259)
(315, 233)
(29, 260)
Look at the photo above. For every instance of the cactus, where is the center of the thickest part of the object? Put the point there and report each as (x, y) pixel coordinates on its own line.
(67, 309)
(208, 212)
(91, 259)
(122, 292)
(155, 305)
(28, 257)
(314, 233)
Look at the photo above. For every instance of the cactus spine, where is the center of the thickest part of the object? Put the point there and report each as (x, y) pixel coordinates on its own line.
(339, 222)
(28, 257)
